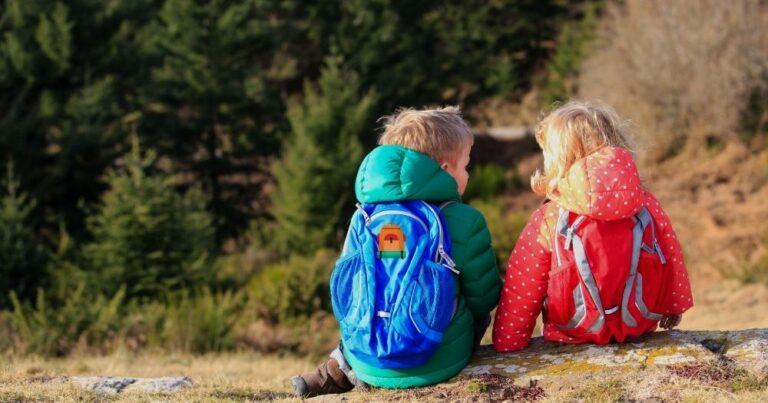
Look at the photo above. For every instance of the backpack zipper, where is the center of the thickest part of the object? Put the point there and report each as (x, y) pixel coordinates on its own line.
(398, 212)
(440, 254)
(451, 265)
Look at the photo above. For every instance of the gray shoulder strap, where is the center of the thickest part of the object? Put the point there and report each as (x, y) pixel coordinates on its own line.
(642, 220)
(574, 241)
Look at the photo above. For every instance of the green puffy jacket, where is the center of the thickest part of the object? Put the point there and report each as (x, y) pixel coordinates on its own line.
(393, 173)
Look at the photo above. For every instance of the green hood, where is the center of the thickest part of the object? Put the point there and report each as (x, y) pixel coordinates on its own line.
(392, 173)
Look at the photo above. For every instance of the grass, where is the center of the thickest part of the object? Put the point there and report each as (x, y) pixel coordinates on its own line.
(217, 377)
(238, 377)
(610, 390)
(748, 272)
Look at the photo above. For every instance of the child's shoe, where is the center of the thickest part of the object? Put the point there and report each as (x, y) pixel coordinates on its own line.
(327, 378)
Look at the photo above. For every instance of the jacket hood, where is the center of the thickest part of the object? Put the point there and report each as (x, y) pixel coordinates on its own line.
(604, 185)
(393, 173)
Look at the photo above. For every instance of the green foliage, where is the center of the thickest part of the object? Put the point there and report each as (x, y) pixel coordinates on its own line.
(68, 72)
(487, 181)
(573, 39)
(213, 87)
(422, 52)
(215, 105)
(147, 236)
(22, 260)
(505, 227)
(292, 290)
(53, 34)
(197, 323)
(206, 84)
(315, 176)
(79, 320)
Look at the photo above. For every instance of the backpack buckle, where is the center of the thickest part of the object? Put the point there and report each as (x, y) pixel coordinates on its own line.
(571, 231)
(568, 238)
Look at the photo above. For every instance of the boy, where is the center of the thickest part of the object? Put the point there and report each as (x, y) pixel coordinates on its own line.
(423, 155)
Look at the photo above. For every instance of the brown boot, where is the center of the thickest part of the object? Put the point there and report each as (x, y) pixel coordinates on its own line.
(327, 378)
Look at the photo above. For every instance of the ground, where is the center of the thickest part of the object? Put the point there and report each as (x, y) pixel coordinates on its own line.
(216, 377)
(674, 366)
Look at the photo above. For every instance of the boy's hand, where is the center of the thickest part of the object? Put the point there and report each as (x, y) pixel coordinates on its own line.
(670, 321)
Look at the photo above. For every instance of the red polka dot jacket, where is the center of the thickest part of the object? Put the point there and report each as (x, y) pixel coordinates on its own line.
(604, 186)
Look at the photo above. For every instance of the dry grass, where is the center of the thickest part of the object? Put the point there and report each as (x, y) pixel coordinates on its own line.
(684, 72)
(655, 384)
(253, 377)
(219, 377)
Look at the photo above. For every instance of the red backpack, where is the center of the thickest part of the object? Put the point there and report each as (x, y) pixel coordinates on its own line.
(608, 279)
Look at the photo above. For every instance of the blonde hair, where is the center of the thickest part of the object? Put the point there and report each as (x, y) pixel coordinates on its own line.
(570, 133)
(440, 133)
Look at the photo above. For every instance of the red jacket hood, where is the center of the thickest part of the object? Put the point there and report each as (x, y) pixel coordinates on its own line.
(604, 185)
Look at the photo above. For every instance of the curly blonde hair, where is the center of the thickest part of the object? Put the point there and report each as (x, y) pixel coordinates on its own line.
(570, 133)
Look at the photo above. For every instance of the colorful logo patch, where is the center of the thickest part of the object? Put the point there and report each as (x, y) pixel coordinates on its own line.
(391, 242)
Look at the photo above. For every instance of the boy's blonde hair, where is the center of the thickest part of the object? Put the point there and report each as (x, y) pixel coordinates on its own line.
(440, 133)
(570, 133)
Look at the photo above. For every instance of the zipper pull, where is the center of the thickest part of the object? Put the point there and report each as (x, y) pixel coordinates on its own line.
(447, 259)
(453, 269)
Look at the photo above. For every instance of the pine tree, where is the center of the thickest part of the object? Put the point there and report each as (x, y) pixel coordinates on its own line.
(69, 75)
(418, 53)
(576, 32)
(315, 176)
(147, 236)
(22, 260)
(215, 105)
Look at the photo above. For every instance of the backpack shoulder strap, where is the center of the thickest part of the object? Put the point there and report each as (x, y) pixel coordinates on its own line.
(575, 242)
(362, 212)
(642, 220)
(646, 220)
(568, 231)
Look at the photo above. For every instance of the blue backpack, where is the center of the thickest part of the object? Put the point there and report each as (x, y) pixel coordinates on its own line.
(392, 289)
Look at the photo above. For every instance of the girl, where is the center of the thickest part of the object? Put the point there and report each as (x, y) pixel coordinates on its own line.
(599, 256)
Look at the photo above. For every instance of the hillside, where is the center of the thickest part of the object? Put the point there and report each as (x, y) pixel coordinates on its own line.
(719, 206)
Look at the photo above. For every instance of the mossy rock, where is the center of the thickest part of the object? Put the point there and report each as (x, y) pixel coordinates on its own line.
(670, 365)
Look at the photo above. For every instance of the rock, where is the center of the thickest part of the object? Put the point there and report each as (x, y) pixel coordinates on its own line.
(115, 385)
(747, 348)
(661, 366)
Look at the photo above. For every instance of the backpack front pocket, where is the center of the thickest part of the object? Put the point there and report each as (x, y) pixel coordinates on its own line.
(430, 304)
(425, 311)
(564, 296)
(350, 278)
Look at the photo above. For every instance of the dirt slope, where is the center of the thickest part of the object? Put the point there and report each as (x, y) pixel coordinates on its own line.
(719, 207)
